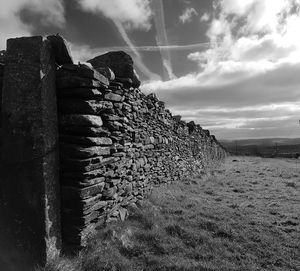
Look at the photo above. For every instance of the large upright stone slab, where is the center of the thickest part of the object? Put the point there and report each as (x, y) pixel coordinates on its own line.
(29, 195)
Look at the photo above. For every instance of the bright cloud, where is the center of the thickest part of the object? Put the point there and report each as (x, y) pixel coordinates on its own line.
(52, 12)
(132, 13)
(253, 61)
(205, 17)
(187, 15)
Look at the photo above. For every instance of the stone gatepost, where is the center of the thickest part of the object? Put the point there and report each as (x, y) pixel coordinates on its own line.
(29, 195)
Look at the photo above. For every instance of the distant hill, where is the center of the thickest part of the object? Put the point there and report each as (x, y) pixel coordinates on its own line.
(265, 147)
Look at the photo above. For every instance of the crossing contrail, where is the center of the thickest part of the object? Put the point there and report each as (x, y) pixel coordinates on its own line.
(162, 39)
(137, 58)
(157, 48)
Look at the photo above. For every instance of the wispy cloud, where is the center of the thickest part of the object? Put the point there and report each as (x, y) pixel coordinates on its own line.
(11, 24)
(205, 17)
(162, 38)
(187, 15)
(132, 14)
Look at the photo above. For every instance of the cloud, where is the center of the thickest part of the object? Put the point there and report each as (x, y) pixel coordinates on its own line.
(11, 25)
(253, 62)
(82, 52)
(133, 14)
(205, 17)
(237, 86)
(187, 15)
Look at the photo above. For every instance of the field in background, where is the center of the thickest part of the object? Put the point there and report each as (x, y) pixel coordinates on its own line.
(265, 147)
(244, 216)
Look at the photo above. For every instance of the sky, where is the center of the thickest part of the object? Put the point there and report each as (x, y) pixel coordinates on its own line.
(232, 66)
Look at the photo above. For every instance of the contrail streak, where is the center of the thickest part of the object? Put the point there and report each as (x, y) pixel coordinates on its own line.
(157, 48)
(162, 38)
(138, 58)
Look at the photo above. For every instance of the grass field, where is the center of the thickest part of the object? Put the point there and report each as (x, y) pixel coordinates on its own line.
(244, 216)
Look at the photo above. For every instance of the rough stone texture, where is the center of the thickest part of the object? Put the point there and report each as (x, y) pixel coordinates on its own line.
(107, 72)
(120, 63)
(138, 145)
(83, 71)
(60, 49)
(2, 63)
(30, 198)
(2, 56)
(80, 120)
(1, 84)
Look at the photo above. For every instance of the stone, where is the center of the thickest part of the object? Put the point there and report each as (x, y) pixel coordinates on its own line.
(113, 97)
(120, 63)
(111, 117)
(152, 97)
(29, 205)
(107, 72)
(1, 70)
(109, 193)
(82, 165)
(192, 126)
(98, 205)
(85, 131)
(80, 106)
(206, 132)
(89, 182)
(80, 120)
(80, 93)
(87, 141)
(162, 104)
(83, 203)
(84, 152)
(127, 82)
(70, 218)
(69, 192)
(177, 118)
(73, 81)
(81, 70)
(3, 57)
(115, 85)
(114, 125)
(60, 49)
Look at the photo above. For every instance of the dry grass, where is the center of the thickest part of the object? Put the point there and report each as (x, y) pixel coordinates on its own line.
(243, 217)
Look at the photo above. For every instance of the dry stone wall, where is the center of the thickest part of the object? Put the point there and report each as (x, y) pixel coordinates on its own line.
(115, 144)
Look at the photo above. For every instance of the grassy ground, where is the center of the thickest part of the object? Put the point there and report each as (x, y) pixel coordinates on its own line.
(245, 216)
